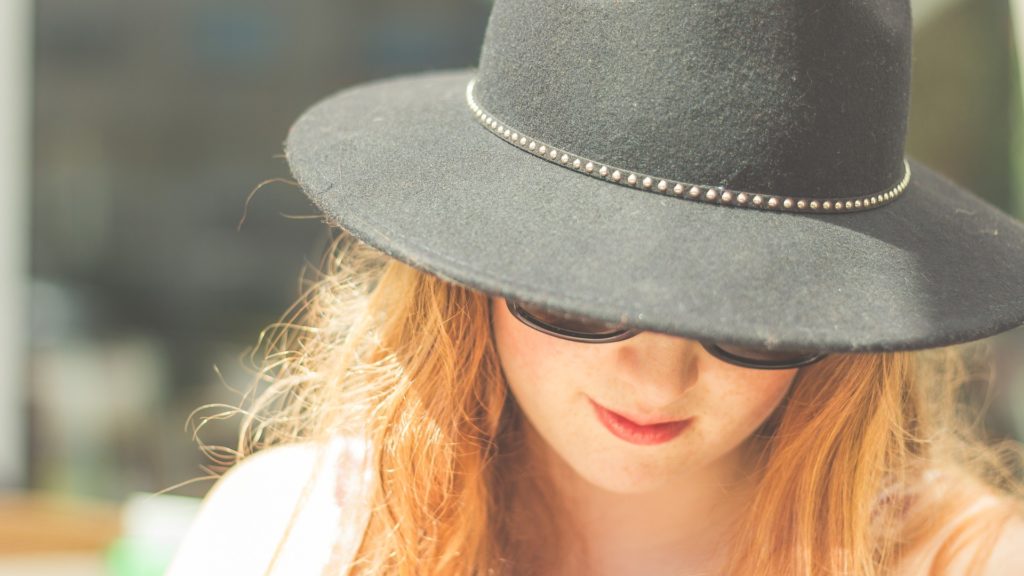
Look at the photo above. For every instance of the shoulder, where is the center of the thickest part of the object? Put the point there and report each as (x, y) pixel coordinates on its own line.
(985, 537)
(1001, 553)
(1008, 554)
(283, 493)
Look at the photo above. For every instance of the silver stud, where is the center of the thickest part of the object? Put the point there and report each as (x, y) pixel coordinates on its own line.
(695, 191)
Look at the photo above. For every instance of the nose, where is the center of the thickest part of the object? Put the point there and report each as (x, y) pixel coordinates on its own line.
(658, 368)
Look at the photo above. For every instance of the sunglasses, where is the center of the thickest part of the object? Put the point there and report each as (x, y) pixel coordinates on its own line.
(592, 331)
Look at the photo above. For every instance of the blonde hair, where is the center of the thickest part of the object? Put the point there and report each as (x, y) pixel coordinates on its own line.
(406, 359)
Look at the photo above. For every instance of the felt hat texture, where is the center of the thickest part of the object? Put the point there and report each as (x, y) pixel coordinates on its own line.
(730, 171)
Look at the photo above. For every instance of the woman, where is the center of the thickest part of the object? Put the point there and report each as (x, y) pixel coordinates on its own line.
(652, 291)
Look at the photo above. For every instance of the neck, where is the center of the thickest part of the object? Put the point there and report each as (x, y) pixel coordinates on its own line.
(679, 527)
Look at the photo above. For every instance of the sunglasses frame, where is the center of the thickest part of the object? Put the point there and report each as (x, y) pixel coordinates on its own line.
(714, 349)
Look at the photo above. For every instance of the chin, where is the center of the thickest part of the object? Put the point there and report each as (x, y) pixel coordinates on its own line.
(622, 474)
(626, 485)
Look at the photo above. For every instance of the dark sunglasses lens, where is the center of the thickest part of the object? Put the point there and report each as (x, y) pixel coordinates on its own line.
(565, 322)
(755, 355)
(584, 328)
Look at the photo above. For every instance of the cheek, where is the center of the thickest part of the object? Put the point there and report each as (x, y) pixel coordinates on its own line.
(532, 363)
(744, 401)
(547, 377)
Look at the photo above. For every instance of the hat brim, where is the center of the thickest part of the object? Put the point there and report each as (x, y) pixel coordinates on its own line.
(403, 165)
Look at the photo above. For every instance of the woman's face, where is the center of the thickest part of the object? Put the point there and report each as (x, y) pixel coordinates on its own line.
(649, 378)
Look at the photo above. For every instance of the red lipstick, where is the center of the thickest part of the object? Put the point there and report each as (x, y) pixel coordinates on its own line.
(630, 431)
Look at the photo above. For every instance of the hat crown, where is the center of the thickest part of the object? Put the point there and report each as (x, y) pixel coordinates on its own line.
(794, 97)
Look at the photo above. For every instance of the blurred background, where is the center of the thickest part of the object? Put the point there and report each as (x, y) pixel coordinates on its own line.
(136, 277)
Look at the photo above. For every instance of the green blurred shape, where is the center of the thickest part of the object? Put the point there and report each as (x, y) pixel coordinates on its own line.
(153, 528)
(1016, 111)
(960, 97)
(138, 557)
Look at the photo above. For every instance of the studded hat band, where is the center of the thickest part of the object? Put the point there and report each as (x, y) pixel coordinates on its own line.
(690, 191)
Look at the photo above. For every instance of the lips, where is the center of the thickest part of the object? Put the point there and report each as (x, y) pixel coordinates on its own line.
(634, 433)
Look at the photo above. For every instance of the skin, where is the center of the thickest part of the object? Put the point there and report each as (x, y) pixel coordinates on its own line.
(647, 509)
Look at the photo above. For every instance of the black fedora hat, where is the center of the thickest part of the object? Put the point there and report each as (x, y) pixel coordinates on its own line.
(728, 170)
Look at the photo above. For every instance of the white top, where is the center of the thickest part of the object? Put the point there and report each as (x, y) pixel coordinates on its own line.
(247, 512)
